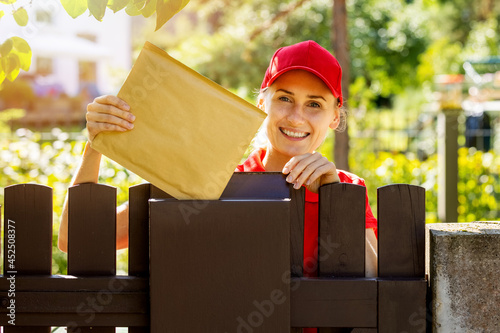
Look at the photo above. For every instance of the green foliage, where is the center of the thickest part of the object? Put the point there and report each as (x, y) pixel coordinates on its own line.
(6, 116)
(29, 159)
(478, 185)
(386, 40)
(15, 53)
(478, 200)
(164, 9)
(74, 8)
(21, 16)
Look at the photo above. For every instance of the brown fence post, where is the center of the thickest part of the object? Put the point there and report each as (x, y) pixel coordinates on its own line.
(401, 254)
(138, 239)
(297, 211)
(27, 231)
(92, 235)
(221, 265)
(342, 226)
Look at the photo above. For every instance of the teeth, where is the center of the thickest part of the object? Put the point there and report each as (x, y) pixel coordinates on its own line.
(294, 134)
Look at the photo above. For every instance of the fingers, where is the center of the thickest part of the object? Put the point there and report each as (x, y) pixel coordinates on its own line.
(112, 100)
(108, 113)
(311, 170)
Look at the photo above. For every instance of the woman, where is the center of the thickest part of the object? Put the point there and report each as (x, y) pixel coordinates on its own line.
(302, 96)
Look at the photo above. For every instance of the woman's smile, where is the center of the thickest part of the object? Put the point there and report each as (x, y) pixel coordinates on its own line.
(293, 134)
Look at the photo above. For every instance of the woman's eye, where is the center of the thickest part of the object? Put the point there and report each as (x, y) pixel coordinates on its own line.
(315, 105)
(284, 99)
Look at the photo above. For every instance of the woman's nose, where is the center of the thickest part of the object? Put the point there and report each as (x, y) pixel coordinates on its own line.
(296, 115)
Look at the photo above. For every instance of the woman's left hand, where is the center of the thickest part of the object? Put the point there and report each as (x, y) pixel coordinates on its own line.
(311, 170)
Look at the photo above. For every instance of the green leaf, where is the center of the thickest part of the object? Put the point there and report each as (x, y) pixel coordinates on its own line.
(21, 45)
(74, 8)
(11, 66)
(97, 8)
(24, 59)
(165, 9)
(21, 16)
(132, 9)
(117, 5)
(2, 76)
(6, 47)
(140, 4)
(149, 8)
(21, 52)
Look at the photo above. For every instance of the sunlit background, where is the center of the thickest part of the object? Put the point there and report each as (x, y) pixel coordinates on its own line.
(409, 61)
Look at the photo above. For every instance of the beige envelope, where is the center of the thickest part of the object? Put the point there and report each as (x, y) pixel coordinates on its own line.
(189, 133)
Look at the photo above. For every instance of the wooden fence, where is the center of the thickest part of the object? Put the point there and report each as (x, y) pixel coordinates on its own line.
(231, 265)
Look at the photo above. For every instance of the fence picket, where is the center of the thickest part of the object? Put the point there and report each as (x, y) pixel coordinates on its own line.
(401, 255)
(92, 235)
(28, 213)
(401, 230)
(28, 209)
(297, 211)
(138, 234)
(342, 230)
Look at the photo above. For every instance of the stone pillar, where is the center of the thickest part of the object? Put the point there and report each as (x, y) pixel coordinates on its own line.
(463, 263)
(448, 165)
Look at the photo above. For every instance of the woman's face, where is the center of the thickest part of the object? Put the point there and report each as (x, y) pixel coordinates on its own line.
(300, 109)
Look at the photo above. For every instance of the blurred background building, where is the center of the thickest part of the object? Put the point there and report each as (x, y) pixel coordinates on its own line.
(74, 60)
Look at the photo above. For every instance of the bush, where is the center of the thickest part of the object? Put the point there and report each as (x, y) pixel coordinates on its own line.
(26, 158)
(478, 180)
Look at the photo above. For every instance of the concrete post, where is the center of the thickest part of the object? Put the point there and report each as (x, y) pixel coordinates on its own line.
(463, 264)
(448, 165)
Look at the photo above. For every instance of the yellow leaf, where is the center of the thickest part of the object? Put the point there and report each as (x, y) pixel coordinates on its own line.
(140, 4)
(117, 5)
(24, 60)
(165, 9)
(149, 8)
(1, 13)
(21, 16)
(97, 8)
(8, 2)
(132, 9)
(2, 77)
(11, 66)
(74, 8)
(21, 45)
(6, 47)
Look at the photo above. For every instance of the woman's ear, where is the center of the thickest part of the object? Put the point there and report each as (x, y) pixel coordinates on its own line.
(336, 120)
(261, 104)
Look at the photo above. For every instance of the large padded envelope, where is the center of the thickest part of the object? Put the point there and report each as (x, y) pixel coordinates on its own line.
(189, 134)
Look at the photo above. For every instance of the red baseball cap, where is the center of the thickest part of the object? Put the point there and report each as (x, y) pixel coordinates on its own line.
(309, 56)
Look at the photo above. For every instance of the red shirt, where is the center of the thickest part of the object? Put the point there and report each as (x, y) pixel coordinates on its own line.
(254, 164)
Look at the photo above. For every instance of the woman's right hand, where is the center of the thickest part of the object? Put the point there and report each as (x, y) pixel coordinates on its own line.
(107, 114)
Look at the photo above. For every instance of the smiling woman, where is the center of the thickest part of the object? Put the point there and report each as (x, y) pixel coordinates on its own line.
(302, 96)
